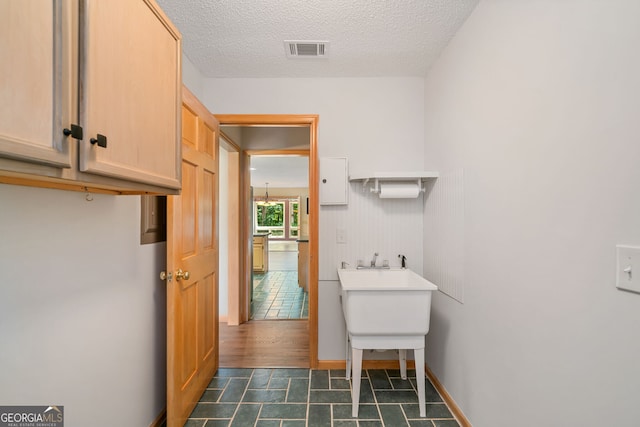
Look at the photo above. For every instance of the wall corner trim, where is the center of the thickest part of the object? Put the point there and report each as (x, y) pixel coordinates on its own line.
(453, 406)
(162, 416)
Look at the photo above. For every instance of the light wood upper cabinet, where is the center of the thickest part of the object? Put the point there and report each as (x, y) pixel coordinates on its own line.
(130, 91)
(111, 67)
(35, 93)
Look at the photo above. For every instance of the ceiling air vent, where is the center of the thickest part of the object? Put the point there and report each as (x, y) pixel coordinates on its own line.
(306, 49)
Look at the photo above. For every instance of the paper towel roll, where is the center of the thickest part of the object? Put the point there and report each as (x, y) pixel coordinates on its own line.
(399, 190)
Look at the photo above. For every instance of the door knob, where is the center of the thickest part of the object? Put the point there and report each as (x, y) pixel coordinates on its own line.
(182, 275)
(165, 276)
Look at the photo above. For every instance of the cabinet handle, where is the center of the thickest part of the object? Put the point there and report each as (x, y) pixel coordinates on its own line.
(75, 132)
(101, 140)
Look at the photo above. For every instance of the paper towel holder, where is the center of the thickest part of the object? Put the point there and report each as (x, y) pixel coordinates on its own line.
(377, 184)
(378, 177)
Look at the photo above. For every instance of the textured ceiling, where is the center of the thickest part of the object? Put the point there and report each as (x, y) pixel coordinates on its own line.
(367, 38)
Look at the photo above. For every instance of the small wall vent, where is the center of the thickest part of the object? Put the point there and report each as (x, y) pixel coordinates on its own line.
(306, 49)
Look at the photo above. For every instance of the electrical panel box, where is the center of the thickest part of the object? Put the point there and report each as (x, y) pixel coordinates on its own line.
(334, 181)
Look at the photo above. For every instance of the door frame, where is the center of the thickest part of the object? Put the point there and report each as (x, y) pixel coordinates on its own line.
(234, 224)
(282, 120)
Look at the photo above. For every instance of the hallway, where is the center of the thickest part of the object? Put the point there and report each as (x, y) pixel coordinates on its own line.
(276, 294)
(260, 344)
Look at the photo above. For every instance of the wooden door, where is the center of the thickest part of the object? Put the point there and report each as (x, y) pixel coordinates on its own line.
(36, 91)
(138, 117)
(192, 246)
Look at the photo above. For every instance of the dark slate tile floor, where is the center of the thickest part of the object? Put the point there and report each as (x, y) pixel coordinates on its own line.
(276, 295)
(315, 398)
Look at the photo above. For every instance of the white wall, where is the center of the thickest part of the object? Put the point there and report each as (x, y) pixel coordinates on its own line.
(191, 76)
(539, 102)
(359, 119)
(82, 311)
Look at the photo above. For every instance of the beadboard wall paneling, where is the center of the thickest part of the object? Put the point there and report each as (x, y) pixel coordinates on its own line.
(444, 234)
(387, 226)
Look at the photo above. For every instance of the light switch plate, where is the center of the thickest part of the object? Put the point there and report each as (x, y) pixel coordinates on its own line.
(341, 235)
(628, 268)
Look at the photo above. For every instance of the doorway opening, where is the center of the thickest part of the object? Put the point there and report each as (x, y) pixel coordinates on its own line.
(280, 236)
(285, 222)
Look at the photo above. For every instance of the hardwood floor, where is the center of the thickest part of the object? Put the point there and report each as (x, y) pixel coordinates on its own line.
(265, 344)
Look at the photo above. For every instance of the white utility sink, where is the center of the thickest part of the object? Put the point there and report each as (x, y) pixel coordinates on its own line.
(385, 302)
(385, 309)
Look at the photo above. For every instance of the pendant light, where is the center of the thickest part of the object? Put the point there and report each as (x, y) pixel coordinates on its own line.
(266, 201)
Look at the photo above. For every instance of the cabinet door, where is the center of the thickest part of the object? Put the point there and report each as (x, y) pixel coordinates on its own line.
(265, 254)
(258, 256)
(303, 264)
(130, 86)
(35, 89)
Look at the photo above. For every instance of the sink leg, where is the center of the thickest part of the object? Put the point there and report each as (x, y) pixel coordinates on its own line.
(402, 355)
(355, 381)
(419, 357)
(348, 370)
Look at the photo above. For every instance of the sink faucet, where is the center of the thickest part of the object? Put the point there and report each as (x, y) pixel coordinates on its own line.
(372, 265)
(403, 260)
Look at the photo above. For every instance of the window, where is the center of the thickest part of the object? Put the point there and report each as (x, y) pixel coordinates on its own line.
(294, 218)
(270, 218)
(280, 217)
